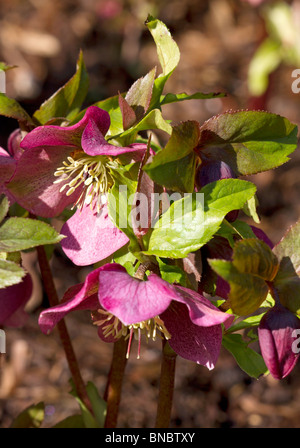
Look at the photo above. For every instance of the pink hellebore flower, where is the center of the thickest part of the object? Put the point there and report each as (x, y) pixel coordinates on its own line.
(125, 306)
(63, 166)
(12, 302)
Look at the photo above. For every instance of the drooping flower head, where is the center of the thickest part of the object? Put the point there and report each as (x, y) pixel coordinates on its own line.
(276, 338)
(125, 306)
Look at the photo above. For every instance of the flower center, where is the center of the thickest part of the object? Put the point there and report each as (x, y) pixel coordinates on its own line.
(87, 172)
(112, 326)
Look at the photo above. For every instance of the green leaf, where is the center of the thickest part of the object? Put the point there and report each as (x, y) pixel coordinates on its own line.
(177, 175)
(67, 101)
(254, 256)
(119, 201)
(4, 67)
(73, 421)
(12, 109)
(288, 249)
(230, 230)
(23, 233)
(167, 49)
(168, 55)
(247, 291)
(31, 417)
(287, 280)
(172, 273)
(4, 207)
(249, 322)
(10, 273)
(153, 120)
(175, 98)
(128, 114)
(174, 166)
(249, 141)
(98, 405)
(249, 360)
(140, 93)
(191, 222)
(266, 59)
(250, 209)
(12, 256)
(183, 140)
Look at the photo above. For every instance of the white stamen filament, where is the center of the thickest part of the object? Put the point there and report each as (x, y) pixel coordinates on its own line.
(90, 173)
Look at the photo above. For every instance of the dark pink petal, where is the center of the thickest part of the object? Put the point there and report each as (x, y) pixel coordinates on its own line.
(201, 311)
(262, 236)
(276, 338)
(94, 144)
(222, 288)
(49, 135)
(7, 166)
(83, 296)
(198, 344)
(32, 185)
(91, 236)
(213, 170)
(133, 300)
(12, 302)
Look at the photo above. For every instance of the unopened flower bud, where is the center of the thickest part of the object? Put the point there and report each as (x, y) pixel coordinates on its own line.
(276, 338)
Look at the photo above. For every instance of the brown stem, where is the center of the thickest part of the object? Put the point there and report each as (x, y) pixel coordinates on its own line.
(166, 388)
(274, 292)
(146, 266)
(115, 380)
(62, 328)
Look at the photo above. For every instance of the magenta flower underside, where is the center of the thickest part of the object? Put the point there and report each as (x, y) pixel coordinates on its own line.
(276, 340)
(12, 302)
(193, 321)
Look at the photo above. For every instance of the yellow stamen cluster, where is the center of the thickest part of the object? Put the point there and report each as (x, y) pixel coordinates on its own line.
(112, 326)
(89, 172)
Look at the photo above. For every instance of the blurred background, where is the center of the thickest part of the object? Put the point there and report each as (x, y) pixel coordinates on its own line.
(248, 49)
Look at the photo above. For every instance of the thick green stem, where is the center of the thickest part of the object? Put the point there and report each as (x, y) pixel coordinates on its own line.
(115, 381)
(166, 388)
(62, 328)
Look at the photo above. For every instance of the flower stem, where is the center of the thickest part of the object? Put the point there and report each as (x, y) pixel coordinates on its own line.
(166, 389)
(62, 328)
(114, 385)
